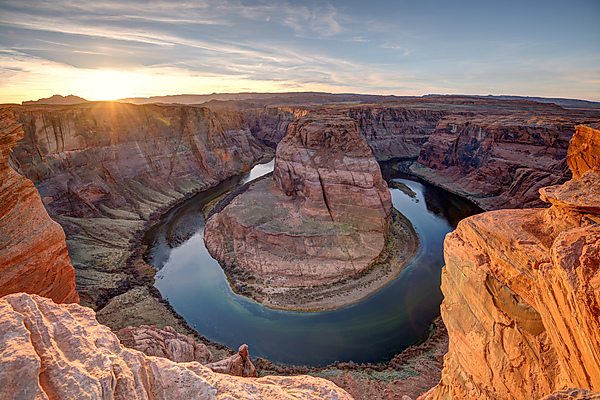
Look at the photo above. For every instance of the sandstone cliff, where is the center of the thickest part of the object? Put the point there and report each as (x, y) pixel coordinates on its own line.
(521, 300)
(500, 160)
(61, 352)
(33, 252)
(324, 216)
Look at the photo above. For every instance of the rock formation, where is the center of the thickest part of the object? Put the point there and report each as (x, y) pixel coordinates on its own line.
(33, 252)
(61, 352)
(323, 218)
(521, 301)
(122, 161)
(237, 365)
(499, 161)
(166, 343)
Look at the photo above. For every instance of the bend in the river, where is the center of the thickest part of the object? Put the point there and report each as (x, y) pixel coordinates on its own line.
(371, 330)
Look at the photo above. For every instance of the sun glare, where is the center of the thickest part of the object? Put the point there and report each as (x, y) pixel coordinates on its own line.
(108, 84)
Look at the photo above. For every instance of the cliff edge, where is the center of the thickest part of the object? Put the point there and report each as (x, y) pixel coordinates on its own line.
(33, 253)
(521, 292)
(61, 352)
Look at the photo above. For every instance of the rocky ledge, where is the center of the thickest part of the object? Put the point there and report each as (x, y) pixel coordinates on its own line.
(322, 219)
(61, 352)
(521, 301)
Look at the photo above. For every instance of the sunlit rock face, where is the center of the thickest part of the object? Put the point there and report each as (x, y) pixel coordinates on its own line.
(324, 217)
(522, 296)
(61, 352)
(103, 169)
(33, 252)
(103, 159)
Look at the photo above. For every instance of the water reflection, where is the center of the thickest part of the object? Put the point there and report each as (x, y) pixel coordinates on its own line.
(372, 330)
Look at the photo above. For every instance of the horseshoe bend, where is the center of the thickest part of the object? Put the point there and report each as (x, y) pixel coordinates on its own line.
(520, 285)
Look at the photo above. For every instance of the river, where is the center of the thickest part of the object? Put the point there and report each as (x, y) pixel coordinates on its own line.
(371, 330)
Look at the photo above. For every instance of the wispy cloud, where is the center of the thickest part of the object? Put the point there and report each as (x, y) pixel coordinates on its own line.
(379, 47)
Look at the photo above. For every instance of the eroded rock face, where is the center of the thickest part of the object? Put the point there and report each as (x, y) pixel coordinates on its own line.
(584, 150)
(327, 165)
(60, 351)
(323, 218)
(113, 159)
(395, 132)
(33, 252)
(499, 160)
(166, 343)
(521, 301)
(103, 169)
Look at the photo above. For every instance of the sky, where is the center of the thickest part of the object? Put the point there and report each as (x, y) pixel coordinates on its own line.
(109, 49)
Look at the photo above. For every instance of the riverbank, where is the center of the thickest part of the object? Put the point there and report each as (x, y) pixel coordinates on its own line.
(111, 275)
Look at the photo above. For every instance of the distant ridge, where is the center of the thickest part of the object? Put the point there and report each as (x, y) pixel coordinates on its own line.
(58, 99)
(266, 98)
(559, 101)
(256, 100)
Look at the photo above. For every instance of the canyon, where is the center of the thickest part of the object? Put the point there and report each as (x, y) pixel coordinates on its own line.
(106, 171)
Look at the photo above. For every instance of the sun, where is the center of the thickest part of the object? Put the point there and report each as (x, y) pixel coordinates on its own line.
(107, 84)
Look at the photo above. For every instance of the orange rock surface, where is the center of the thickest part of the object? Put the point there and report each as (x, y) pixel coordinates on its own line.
(61, 352)
(522, 298)
(164, 342)
(33, 252)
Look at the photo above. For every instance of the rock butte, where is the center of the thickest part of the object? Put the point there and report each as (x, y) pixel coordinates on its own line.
(324, 216)
(33, 252)
(521, 295)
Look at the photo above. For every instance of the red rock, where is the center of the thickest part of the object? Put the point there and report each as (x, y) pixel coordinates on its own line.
(166, 343)
(323, 219)
(33, 252)
(61, 352)
(395, 132)
(499, 161)
(584, 149)
(521, 299)
(91, 158)
(236, 365)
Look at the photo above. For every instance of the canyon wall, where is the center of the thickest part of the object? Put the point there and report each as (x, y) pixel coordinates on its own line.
(499, 160)
(521, 287)
(107, 159)
(61, 352)
(33, 252)
(395, 132)
(103, 169)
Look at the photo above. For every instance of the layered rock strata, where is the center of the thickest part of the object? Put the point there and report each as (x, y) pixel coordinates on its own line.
(33, 252)
(322, 218)
(104, 169)
(521, 300)
(499, 161)
(61, 352)
(395, 132)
